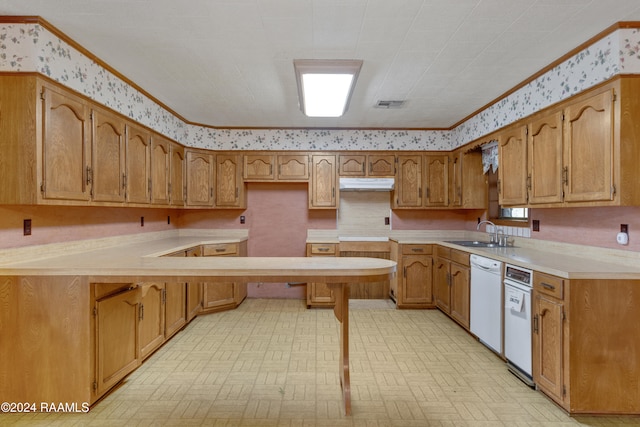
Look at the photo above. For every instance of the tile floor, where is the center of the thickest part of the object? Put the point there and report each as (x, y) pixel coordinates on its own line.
(274, 363)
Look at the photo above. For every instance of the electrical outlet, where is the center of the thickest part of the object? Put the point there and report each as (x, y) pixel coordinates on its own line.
(242, 219)
(168, 219)
(386, 220)
(141, 221)
(535, 225)
(26, 227)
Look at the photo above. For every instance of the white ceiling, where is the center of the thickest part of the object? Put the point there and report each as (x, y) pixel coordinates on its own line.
(229, 63)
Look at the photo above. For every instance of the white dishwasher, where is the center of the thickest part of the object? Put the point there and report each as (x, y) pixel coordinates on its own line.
(486, 301)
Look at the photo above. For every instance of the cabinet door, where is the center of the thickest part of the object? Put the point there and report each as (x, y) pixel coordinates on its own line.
(108, 156)
(436, 180)
(548, 345)
(116, 337)
(138, 178)
(259, 167)
(545, 159)
(175, 307)
(229, 185)
(177, 166)
(199, 178)
(293, 167)
(194, 300)
(218, 295)
(160, 161)
(65, 146)
(408, 191)
(151, 323)
(512, 173)
(319, 294)
(352, 165)
(417, 277)
(455, 180)
(322, 188)
(382, 165)
(441, 285)
(589, 149)
(460, 294)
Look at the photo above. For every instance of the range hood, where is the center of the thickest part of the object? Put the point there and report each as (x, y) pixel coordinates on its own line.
(366, 184)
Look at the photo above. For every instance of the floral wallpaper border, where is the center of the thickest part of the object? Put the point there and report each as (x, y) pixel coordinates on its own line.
(30, 47)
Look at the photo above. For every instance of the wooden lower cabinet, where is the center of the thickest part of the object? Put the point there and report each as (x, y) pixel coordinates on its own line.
(413, 285)
(451, 283)
(586, 342)
(218, 296)
(319, 294)
(175, 307)
(116, 335)
(194, 300)
(151, 323)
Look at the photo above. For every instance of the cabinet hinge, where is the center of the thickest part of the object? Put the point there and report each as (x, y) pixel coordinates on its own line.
(95, 311)
(526, 130)
(94, 385)
(42, 94)
(164, 296)
(563, 117)
(564, 315)
(564, 390)
(614, 97)
(613, 191)
(42, 187)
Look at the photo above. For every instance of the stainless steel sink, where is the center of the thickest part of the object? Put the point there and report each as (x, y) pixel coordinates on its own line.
(474, 243)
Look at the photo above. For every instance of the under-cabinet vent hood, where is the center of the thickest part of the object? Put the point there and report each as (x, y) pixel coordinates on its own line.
(366, 184)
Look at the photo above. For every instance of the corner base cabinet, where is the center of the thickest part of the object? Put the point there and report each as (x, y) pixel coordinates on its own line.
(586, 343)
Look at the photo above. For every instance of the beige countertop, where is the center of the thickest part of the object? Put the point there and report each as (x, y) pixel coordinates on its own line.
(140, 257)
(564, 260)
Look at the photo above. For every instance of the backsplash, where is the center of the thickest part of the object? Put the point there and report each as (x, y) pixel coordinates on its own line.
(31, 47)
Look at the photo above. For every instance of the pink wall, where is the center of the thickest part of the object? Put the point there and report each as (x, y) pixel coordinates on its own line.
(278, 219)
(51, 224)
(588, 226)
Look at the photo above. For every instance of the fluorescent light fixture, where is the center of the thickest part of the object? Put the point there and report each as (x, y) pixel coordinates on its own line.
(325, 86)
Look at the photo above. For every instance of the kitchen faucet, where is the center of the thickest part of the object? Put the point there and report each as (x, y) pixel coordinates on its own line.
(493, 238)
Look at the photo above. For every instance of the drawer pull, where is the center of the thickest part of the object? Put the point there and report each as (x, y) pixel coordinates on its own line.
(417, 249)
(548, 286)
(220, 249)
(323, 249)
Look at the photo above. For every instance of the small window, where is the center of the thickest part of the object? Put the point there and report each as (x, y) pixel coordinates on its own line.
(496, 212)
(514, 214)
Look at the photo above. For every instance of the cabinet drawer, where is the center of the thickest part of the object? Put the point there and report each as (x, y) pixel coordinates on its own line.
(443, 252)
(220, 249)
(547, 284)
(323, 249)
(105, 289)
(460, 257)
(416, 249)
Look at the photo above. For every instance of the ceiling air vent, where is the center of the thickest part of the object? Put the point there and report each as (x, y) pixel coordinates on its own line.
(389, 104)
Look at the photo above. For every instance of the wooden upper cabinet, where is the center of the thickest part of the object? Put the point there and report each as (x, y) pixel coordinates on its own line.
(293, 167)
(178, 181)
(199, 169)
(408, 192)
(138, 178)
(588, 148)
(367, 165)
(512, 173)
(276, 167)
(322, 187)
(65, 146)
(108, 172)
(436, 180)
(259, 167)
(353, 165)
(229, 185)
(382, 165)
(545, 177)
(160, 169)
